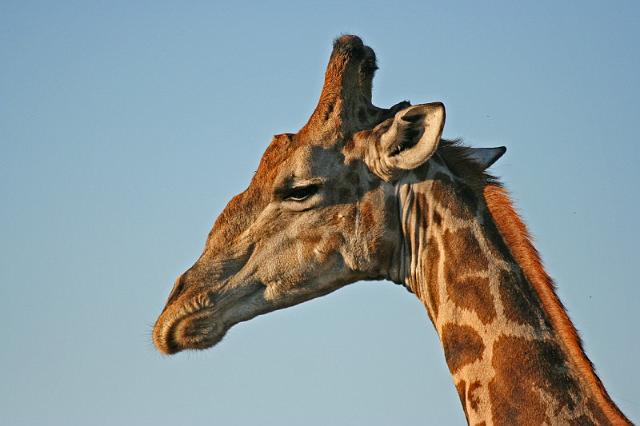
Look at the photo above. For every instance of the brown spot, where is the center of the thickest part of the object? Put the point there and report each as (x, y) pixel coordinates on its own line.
(495, 241)
(523, 368)
(474, 399)
(464, 256)
(521, 304)
(461, 387)
(463, 252)
(462, 346)
(472, 294)
(422, 210)
(483, 423)
(433, 258)
(437, 218)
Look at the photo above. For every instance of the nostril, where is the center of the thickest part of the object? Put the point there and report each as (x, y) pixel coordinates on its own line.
(178, 288)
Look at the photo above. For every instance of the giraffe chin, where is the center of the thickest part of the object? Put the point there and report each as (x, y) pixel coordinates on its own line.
(197, 330)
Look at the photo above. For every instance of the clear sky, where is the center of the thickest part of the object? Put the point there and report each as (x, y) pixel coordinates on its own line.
(125, 127)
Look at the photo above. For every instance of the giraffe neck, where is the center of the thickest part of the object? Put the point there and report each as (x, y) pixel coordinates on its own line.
(509, 361)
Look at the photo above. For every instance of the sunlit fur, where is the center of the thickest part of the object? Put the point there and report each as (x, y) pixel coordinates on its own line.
(386, 205)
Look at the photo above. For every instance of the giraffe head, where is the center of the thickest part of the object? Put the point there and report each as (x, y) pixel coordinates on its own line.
(318, 214)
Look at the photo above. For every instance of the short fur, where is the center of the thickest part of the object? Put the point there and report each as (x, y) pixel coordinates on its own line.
(376, 197)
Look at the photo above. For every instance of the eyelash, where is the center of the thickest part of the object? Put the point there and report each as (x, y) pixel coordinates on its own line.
(301, 193)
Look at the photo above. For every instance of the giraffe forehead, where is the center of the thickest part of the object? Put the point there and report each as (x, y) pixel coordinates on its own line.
(310, 161)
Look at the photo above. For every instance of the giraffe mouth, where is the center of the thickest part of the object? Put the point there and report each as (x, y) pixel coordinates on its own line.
(190, 322)
(201, 321)
(176, 331)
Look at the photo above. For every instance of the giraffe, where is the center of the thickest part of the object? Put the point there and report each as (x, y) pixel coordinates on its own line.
(369, 193)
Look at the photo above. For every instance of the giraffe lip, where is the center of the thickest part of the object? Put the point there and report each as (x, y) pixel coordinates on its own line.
(198, 329)
(201, 321)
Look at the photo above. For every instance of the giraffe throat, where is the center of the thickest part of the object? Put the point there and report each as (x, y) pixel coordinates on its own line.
(507, 360)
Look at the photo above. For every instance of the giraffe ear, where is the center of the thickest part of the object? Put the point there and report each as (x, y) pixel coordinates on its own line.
(486, 156)
(409, 140)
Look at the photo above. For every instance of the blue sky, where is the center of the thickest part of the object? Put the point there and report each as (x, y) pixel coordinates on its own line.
(125, 128)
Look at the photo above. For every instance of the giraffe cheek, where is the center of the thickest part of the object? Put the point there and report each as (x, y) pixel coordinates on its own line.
(327, 247)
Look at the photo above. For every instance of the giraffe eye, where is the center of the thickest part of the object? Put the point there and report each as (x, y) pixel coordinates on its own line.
(301, 193)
